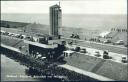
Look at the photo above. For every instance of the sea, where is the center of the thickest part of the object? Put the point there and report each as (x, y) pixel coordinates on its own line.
(87, 21)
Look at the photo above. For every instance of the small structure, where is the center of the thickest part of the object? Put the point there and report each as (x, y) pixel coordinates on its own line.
(104, 34)
(68, 53)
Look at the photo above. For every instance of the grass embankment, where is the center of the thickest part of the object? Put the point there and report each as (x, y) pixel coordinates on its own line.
(106, 68)
(10, 41)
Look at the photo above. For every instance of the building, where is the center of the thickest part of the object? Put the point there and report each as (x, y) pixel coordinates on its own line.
(50, 51)
(55, 20)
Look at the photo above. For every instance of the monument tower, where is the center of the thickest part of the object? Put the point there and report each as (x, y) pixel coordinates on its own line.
(55, 20)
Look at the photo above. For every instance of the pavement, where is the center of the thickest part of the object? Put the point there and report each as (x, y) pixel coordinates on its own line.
(100, 46)
(91, 51)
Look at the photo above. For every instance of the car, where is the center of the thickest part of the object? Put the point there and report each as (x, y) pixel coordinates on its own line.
(13, 35)
(106, 55)
(10, 34)
(28, 37)
(21, 36)
(124, 59)
(77, 49)
(83, 51)
(107, 41)
(97, 54)
(119, 42)
(3, 32)
(17, 35)
(24, 36)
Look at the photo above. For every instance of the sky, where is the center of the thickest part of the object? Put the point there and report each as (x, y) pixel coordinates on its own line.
(68, 7)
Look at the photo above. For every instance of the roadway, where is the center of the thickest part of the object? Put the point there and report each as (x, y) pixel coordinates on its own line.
(100, 46)
(89, 44)
(91, 52)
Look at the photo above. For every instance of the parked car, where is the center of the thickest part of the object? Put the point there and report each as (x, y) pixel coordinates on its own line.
(14, 35)
(17, 35)
(24, 36)
(83, 51)
(21, 37)
(97, 53)
(77, 49)
(107, 41)
(106, 55)
(124, 59)
(119, 42)
(10, 34)
(2, 32)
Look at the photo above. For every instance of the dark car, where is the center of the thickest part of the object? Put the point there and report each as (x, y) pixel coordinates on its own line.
(107, 41)
(83, 51)
(97, 53)
(77, 49)
(124, 59)
(106, 55)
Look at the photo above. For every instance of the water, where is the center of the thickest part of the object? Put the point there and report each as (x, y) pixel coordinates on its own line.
(91, 22)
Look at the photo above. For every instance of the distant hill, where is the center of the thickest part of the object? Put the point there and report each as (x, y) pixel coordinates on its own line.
(11, 24)
(41, 28)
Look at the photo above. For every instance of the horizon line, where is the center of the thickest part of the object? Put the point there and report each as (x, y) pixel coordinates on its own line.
(71, 13)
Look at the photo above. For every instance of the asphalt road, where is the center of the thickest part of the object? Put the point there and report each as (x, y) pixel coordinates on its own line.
(100, 46)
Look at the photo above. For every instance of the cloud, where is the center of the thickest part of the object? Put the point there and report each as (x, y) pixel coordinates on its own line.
(70, 7)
